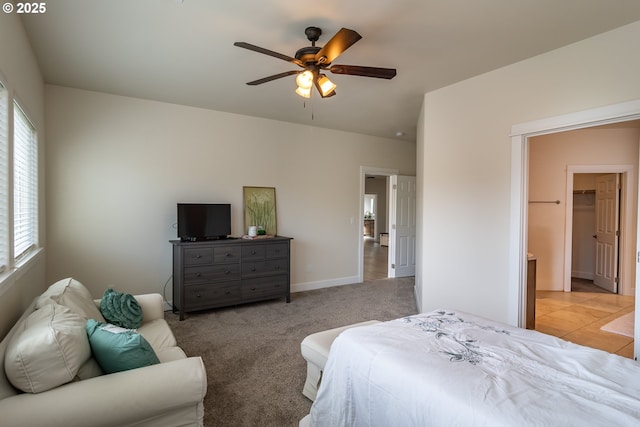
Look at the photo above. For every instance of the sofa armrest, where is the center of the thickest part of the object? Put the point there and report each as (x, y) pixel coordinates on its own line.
(152, 306)
(118, 399)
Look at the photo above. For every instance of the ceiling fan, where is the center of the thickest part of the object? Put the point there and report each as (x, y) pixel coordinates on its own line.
(315, 59)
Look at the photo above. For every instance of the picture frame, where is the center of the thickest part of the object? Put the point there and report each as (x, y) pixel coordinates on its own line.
(259, 204)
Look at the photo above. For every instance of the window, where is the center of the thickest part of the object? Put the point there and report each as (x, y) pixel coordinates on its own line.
(25, 184)
(18, 185)
(4, 173)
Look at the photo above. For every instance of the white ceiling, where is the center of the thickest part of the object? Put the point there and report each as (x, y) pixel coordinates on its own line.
(182, 51)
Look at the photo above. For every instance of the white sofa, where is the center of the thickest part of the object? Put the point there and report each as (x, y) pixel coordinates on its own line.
(169, 393)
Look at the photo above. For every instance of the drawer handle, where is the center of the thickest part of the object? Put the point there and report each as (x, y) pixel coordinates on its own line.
(198, 274)
(198, 296)
(253, 252)
(227, 254)
(277, 267)
(227, 292)
(198, 256)
(253, 289)
(227, 272)
(253, 269)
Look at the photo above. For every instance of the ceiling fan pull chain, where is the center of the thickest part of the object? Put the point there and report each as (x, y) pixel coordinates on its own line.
(311, 102)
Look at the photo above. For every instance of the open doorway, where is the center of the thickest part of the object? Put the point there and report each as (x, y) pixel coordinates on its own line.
(401, 194)
(577, 236)
(381, 257)
(600, 219)
(625, 114)
(375, 231)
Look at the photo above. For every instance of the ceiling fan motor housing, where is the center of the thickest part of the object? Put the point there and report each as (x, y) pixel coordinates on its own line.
(307, 54)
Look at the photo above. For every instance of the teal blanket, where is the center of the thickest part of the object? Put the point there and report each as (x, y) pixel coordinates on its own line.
(121, 309)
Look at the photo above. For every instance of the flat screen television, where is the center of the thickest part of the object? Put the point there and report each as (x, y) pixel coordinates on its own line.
(203, 221)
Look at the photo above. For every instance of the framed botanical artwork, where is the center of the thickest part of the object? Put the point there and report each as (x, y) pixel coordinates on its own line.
(260, 208)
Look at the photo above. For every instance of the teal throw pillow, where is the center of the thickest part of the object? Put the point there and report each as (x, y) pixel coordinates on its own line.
(121, 309)
(118, 349)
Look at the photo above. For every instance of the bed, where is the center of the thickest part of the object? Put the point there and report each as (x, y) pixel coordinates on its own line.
(447, 368)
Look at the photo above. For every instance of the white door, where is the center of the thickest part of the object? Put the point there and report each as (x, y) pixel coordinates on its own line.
(402, 254)
(607, 233)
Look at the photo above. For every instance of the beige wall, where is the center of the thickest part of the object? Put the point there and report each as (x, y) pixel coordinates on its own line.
(549, 156)
(464, 158)
(117, 166)
(19, 72)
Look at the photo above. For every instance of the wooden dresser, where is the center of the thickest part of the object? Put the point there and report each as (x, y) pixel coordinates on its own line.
(369, 227)
(219, 273)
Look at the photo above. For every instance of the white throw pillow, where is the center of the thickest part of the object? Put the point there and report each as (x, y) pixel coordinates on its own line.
(71, 293)
(48, 349)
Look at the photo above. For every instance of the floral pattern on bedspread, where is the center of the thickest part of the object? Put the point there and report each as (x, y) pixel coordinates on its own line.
(441, 323)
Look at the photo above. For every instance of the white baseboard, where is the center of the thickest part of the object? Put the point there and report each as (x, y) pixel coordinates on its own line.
(310, 286)
(586, 275)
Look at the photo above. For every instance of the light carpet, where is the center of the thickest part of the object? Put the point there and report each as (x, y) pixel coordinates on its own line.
(623, 325)
(251, 352)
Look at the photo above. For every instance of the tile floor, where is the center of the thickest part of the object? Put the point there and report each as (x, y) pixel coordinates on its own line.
(578, 316)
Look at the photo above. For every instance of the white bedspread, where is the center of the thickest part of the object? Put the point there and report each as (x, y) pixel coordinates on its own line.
(454, 369)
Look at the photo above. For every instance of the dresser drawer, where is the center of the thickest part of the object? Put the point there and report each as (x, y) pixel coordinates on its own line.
(259, 268)
(253, 252)
(277, 250)
(214, 273)
(226, 254)
(206, 296)
(198, 256)
(264, 287)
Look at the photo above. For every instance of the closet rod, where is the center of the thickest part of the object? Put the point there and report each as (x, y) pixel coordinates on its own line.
(555, 202)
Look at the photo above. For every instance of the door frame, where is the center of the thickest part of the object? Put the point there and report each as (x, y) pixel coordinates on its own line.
(626, 220)
(364, 171)
(520, 134)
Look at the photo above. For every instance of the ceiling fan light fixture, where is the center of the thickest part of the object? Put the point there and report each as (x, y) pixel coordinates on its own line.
(304, 92)
(304, 79)
(326, 85)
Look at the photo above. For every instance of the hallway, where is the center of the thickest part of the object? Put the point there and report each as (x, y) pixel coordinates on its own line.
(375, 260)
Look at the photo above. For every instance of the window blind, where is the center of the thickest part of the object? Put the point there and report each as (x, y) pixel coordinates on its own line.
(4, 174)
(25, 184)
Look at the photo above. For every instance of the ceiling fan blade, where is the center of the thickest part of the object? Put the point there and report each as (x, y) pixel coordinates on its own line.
(356, 70)
(340, 42)
(269, 52)
(274, 77)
